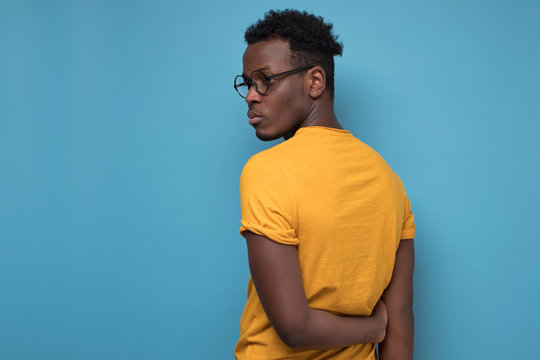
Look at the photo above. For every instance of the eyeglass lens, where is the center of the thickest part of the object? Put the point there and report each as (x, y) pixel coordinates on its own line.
(258, 80)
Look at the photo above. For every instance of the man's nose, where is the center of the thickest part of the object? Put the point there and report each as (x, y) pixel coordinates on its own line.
(253, 96)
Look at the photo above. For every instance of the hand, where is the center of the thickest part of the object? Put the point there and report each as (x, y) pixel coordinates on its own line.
(380, 315)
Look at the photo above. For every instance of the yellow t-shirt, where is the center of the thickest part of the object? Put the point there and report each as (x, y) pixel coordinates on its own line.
(338, 201)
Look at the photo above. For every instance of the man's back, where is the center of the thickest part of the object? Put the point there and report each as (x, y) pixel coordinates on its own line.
(337, 200)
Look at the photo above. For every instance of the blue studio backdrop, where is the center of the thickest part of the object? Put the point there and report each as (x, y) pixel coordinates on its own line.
(122, 141)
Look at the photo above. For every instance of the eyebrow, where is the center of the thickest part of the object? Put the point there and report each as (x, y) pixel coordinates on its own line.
(259, 69)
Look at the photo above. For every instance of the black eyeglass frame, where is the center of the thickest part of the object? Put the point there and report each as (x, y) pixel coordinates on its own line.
(267, 78)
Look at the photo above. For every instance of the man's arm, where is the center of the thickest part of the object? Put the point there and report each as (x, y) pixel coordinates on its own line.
(398, 298)
(276, 274)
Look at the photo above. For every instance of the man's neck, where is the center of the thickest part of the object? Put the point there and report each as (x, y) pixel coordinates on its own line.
(319, 116)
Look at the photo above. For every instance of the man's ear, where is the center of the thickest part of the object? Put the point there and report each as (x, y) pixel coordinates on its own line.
(317, 81)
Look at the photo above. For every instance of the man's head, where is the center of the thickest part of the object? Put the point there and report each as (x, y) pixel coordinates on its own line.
(302, 47)
(310, 39)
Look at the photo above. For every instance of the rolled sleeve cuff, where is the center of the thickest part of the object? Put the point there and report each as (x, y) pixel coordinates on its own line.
(407, 234)
(286, 237)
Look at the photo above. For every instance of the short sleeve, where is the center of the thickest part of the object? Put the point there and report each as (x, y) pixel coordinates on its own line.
(408, 229)
(267, 201)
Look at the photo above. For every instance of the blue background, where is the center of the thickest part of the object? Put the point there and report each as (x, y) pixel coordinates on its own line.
(122, 141)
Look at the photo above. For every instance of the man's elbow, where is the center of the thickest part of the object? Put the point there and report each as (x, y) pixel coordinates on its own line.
(291, 340)
(400, 319)
(401, 305)
(293, 333)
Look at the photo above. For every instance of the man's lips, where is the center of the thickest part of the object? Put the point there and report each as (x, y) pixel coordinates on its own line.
(254, 117)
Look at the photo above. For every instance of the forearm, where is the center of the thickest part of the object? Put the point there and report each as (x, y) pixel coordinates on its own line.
(399, 340)
(324, 330)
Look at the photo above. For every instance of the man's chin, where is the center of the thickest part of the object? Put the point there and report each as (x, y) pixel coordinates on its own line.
(265, 136)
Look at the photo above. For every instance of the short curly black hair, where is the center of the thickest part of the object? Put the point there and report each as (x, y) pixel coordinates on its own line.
(311, 39)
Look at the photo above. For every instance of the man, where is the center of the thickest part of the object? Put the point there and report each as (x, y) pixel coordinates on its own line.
(328, 225)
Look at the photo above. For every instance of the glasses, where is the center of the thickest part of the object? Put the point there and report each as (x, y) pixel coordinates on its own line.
(260, 81)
